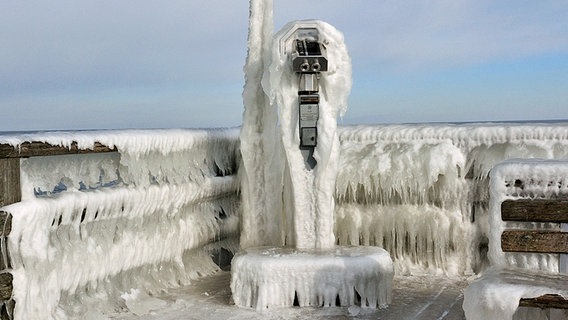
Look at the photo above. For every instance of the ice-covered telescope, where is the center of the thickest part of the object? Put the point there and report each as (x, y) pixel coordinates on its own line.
(308, 56)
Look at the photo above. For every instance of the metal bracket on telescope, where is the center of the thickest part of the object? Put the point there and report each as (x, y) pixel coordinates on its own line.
(308, 58)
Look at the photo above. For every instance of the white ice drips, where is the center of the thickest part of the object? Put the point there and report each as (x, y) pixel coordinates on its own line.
(271, 277)
(418, 237)
(401, 173)
(473, 134)
(61, 244)
(128, 219)
(145, 157)
(442, 167)
(138, 142)
(262, 166)
(310, 193)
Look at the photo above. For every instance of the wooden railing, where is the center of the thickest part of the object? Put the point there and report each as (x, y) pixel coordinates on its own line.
(10, 163)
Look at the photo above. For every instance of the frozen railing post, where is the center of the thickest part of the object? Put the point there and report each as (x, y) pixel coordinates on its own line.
(308, 80)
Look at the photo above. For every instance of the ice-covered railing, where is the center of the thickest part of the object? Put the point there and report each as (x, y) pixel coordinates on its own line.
(421, 191)
(102, 227)
(146, 157)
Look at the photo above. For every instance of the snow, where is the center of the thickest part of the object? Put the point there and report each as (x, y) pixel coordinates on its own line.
(139, 303)
(435, 237)
(140, 142)
(449, 151)
(169, 156)
(268, 277)
(297, 202)
(270, 133)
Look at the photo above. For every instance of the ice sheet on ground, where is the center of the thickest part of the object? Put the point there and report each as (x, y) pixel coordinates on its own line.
(420, 297)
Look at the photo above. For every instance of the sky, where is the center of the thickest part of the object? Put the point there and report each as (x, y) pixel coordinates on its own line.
(104, 64)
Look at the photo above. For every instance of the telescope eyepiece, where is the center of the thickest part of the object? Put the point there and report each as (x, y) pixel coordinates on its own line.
(316, 66)
(305, 66)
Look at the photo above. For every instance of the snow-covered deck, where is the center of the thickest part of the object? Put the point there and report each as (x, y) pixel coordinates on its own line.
(426, 297)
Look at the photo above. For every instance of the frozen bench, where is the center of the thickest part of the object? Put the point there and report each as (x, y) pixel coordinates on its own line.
(528, 240)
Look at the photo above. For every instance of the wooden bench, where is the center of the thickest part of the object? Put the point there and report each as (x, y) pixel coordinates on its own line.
(531, 233)
(536, 241)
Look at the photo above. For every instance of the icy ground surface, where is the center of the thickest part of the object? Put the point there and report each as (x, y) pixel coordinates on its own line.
(418, 297)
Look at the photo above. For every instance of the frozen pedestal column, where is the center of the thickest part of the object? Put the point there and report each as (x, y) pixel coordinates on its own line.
(307, 80)
(269, 277)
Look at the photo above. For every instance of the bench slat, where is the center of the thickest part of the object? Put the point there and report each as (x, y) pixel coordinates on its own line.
(534, 241)
(544, 302)
(535, 210)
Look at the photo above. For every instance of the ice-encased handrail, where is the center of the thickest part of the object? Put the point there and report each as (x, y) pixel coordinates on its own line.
(176, 201)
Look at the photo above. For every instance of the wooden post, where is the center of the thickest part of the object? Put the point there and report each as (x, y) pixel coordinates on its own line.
(563, 257)
(10, 191)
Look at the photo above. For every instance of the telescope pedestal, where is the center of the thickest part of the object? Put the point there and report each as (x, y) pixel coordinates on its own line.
(268, 277)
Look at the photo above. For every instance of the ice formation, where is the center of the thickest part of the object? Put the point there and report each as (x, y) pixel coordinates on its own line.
(406, 216)
(260, 147)
(308, 203)
(96, 231)
(497, 297)
(515, 179)
(172, 200)
(497, 293)
(407, 187)
(271, 98)
(315, 278)
(315, 272)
